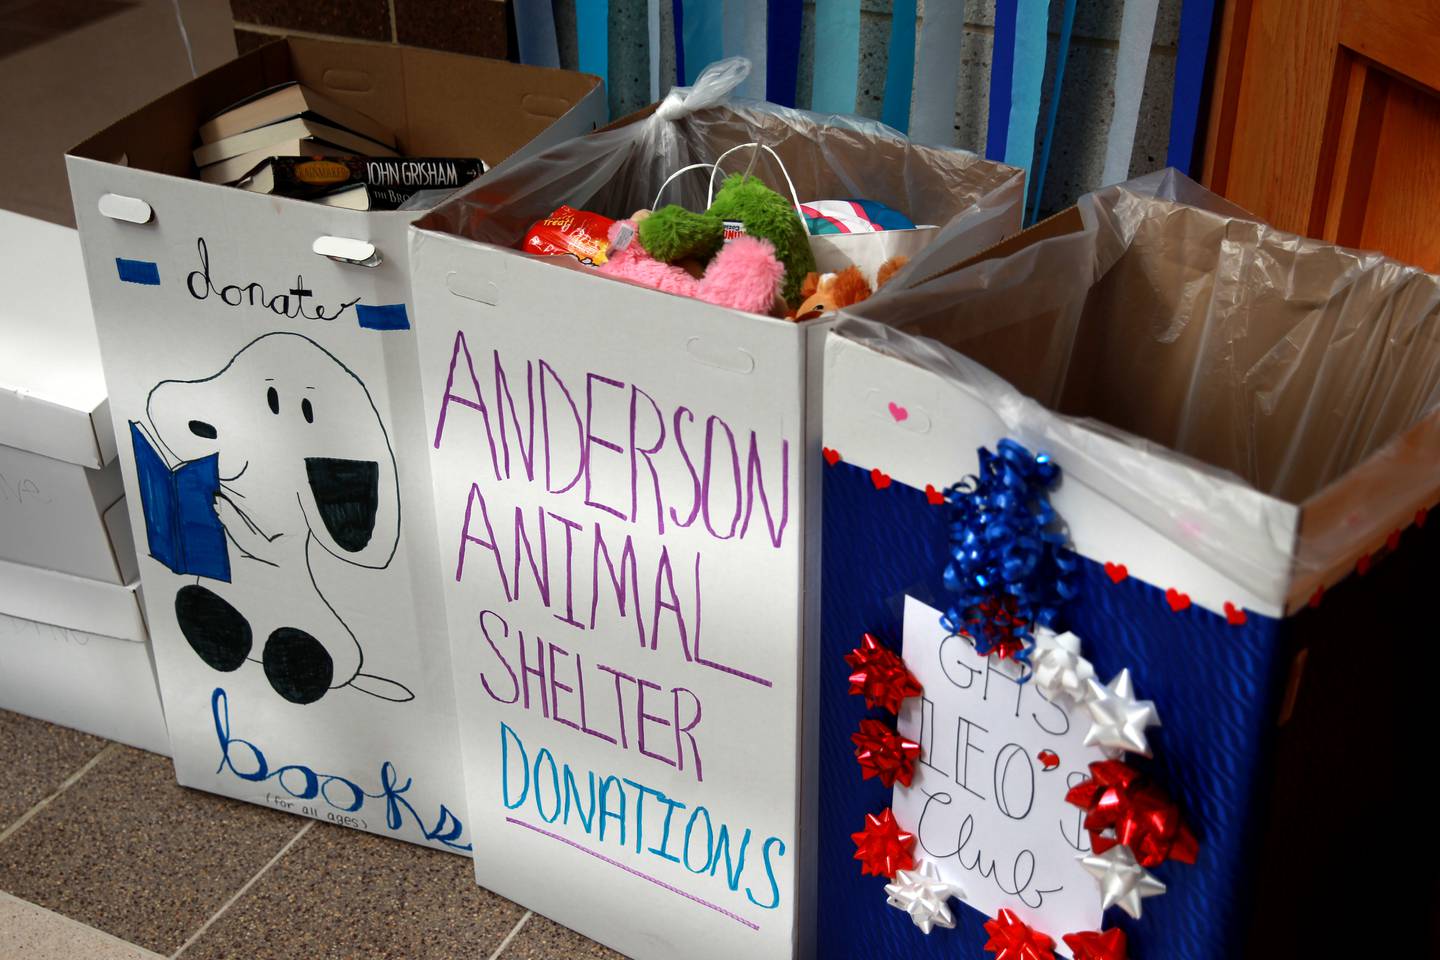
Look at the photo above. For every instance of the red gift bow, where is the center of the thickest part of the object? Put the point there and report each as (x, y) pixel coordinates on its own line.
(880, 675)
(994, 626)
(884, 753)
(1139, 812)
(1093, 945)
(882, 847)
(1013, 939)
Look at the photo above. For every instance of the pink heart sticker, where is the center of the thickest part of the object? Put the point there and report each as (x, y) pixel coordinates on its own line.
(898, 412)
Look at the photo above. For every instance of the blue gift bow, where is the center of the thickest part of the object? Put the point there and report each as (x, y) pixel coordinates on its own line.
(1007, 541)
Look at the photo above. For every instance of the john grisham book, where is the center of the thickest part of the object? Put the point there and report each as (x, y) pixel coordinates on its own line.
(361, 183)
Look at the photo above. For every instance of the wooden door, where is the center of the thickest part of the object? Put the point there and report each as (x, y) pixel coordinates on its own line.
(1325, 120)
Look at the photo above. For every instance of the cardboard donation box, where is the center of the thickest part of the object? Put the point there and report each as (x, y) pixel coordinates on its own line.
(267, 407)
(1148, 462)
(625, 502)
(73, 647)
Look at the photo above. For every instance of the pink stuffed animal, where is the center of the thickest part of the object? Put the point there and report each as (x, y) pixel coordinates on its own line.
(744, 275)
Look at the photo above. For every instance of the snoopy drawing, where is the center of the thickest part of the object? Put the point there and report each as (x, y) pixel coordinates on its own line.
(301, 470)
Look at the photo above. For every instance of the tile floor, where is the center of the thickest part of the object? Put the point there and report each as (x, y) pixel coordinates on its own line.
(104, 857)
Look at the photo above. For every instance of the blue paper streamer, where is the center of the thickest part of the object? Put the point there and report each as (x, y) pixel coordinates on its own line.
(1002, 75)
(1197, 19)
(145, 272)
(652, 28)
(592, 37)
(782, 50)
(937, 73)
(837, 56)
(535, 33)
(900, 69)
(703, 35)
(385, 316)
(1032, 34)
(1062, 56)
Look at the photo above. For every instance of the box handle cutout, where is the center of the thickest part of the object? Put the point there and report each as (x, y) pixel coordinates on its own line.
(128, 209)
(345, 250)
(473, 288)
(734, 359)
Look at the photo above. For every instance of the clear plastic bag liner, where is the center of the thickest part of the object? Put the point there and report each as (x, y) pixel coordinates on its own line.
(1204, 370)
(617, 171)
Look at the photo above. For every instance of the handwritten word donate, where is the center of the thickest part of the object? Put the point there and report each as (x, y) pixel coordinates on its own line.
(617, 476)
(982, 805)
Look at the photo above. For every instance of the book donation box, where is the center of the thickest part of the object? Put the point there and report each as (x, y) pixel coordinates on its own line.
(1125, 534)
(625, 495)
(73, 646)
(263, 386)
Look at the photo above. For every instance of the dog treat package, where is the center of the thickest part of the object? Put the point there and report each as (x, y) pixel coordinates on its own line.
(1128, 534)
(626, 504)
(260, 356)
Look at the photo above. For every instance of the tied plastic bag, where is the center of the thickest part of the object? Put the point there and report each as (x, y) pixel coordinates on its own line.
(617, 170)
(1165, 338)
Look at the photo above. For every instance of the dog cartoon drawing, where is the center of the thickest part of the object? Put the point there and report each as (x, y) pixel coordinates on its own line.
(302, 470)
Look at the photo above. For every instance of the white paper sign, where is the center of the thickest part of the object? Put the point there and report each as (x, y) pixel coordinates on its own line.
(987, 803)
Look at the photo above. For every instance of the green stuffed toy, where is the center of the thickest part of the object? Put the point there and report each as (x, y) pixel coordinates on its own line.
(673, 233)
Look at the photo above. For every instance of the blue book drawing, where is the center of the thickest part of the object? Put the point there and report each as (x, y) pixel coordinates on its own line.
(181, 527)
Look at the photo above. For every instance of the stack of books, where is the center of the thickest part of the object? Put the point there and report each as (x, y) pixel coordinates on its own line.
(291, 141)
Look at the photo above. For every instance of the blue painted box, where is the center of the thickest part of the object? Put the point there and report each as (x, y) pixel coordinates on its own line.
(1247, 428)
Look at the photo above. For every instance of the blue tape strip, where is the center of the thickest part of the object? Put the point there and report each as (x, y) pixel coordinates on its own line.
(592, 38)
(535, 34)
(138, 271)
(837, 35)
(677, 22)
(385, 316)
(782, 50)
(1197, 20)
(900, 71)
(704, 36)
(1067, 28)
(1032, 35)
(1002, 75)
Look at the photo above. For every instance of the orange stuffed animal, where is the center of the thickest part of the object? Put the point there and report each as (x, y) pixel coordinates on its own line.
(826, 293)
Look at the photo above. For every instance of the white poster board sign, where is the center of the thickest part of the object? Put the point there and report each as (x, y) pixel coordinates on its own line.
(987, 803)
(621, 523)
(267, 411)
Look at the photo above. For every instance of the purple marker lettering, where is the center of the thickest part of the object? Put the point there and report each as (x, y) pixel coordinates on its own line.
(642, 716)
(637, 451)
(537, 671)
(591, 440)
(502, 397)
(584, 714)
(540, 571)
(545, 369)
(627, 584)
(466, 537)
(556, 687)
(570, 528)
(735, 471)
(684, 731)
(713, 664)
(690, 466)
(477, 404)
(664, 576)
(755, 479)
(489, 640)
(619, 699)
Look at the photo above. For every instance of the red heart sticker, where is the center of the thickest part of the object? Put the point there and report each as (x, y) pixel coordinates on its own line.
(1116, 572)
(1392, 542)
(832, 457)
(1317, 596)
(1048, 759)
(879, 478)
(1362, 566)
(1178, 601)
(934, 496)
(1420, 516)
(1236, 615)
(898, 412)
